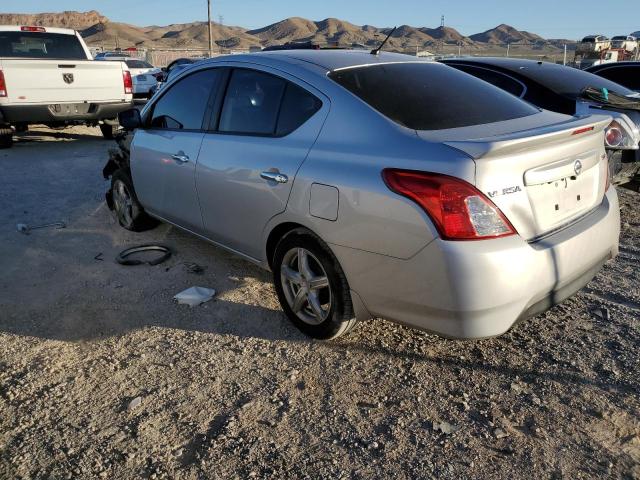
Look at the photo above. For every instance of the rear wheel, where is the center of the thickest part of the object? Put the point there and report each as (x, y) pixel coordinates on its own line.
(311, 286)
(108, 131)
(126, 206)
(6, 137)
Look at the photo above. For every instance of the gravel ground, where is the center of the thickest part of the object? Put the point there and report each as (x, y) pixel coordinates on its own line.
(102, 375)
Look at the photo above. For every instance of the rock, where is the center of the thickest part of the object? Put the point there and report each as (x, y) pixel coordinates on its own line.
(136, 402)
(500, 433)
(445, 427)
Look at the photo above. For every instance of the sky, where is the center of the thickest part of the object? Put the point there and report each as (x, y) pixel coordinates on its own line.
(571, 19)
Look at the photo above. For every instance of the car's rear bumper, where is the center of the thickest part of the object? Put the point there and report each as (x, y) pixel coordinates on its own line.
(62, 112)
(480, 289)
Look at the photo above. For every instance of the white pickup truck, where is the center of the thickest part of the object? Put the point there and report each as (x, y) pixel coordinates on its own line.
(47, 76)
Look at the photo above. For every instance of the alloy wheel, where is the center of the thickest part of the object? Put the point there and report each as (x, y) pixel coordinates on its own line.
(306, 286)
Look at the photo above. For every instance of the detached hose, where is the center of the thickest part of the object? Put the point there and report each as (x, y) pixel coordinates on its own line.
(123, 260)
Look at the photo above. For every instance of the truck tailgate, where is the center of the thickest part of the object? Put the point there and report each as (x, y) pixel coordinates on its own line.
(62, 81)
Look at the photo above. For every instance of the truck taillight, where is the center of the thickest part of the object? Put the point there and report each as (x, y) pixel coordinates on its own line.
(128, 83)
(33, 29)
(458, 210)
(3, 86)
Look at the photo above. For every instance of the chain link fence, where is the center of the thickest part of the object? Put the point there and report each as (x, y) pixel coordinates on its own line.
(555, 52)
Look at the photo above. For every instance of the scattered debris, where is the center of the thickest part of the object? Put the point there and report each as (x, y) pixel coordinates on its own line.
(123, 259)
(195, 296)
(445, 427)
(136, 402)
(194, 268)
(602, 312)
(98, 257)
(24, 228)
(500, 433)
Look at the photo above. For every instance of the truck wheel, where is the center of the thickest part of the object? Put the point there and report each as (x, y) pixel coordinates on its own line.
(126, 206)
(108, 131)
(6, 137)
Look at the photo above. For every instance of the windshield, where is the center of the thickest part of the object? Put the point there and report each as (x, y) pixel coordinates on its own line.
(431, 96)
(41, 45)
(138, 64)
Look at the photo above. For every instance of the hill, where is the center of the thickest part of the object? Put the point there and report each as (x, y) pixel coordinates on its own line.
(99, 30)
(505, 34)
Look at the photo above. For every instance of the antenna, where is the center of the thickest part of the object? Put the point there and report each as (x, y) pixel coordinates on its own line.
(376, 51)
(442, 21)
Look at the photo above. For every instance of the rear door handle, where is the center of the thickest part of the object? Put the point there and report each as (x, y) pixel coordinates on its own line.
(275, 177)
(180, 158)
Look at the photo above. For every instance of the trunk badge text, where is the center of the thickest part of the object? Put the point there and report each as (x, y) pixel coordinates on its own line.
(67, 77)
(505, 191)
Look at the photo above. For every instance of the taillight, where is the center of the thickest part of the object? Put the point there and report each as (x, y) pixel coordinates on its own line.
(458, 209)
(33, 29)
(3, 86)
(128, 83)
(619, 137)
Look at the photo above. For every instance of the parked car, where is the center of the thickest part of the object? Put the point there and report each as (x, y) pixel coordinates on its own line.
(47, 76)
(374, 185)
(625, 42)
(572, 92)
(593, 43)
(109, 55)
(145, 76)
(626, 74)
(168, 76)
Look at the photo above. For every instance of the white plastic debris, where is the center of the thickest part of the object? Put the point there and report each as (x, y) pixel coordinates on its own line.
(195, 296)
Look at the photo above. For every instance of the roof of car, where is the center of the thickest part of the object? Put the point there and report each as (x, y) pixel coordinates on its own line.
(330, 59)
(628, 63)
(18, 28)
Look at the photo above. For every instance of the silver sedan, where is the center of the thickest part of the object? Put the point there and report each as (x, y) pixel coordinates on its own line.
(375, 186)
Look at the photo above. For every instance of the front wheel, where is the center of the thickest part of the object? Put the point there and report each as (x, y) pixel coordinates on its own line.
(126, 206)
(311, 286)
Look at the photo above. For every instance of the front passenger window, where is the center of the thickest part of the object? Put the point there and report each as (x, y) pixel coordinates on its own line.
(182, 107)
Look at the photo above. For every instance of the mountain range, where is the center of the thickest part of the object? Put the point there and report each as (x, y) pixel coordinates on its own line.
(99, 30)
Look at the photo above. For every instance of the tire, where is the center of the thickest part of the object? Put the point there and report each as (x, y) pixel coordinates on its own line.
(333, 313)
(108, 131)
(6, 137)
(126, 206)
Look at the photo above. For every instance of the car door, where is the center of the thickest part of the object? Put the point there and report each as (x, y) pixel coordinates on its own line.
(165, 152)
(263, 130)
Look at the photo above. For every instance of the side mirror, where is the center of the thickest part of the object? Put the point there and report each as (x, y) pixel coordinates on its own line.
(130, 119)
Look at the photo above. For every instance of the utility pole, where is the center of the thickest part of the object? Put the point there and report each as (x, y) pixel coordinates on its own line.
(564, 62)
(508, 48)
(210, 29)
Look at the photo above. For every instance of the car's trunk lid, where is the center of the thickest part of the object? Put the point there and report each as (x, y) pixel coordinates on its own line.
(541, 177)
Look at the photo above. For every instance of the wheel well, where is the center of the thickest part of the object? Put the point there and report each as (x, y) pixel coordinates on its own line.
(276, 234)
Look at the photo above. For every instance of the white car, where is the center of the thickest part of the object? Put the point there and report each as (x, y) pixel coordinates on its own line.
(144, 75)
(625, 42)
(48, 76)
(594, 43)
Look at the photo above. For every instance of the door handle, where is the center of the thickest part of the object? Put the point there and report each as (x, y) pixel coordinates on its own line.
(180, 158)
(275, 177)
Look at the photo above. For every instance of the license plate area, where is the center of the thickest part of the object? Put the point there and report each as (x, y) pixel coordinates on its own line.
(558, 201)
(71, 109)
(141, 78)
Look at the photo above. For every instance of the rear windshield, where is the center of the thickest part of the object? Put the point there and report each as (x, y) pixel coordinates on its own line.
(41, 45)
(430, 96)
(138, 64)
(566, 81)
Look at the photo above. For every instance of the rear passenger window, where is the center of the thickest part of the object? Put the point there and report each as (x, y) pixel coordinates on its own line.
(298, 106)
(252, 103)
(182, 107)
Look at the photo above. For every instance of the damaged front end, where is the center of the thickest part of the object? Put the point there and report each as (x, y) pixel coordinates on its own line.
(118, 160)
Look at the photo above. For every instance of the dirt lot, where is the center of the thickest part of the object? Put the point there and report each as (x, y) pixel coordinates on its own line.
(230, 390)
